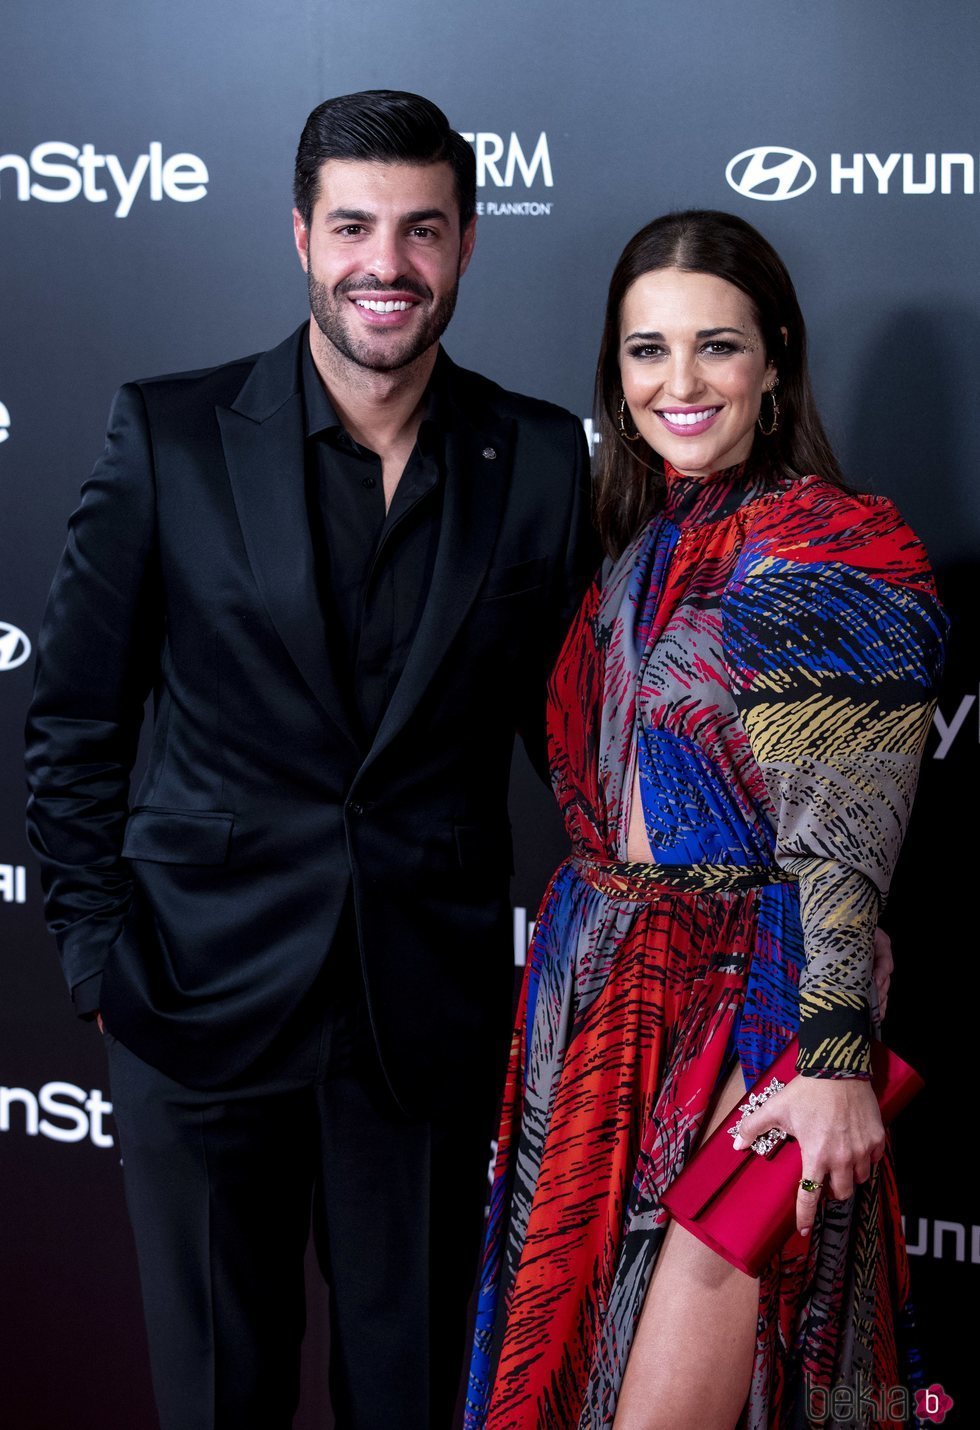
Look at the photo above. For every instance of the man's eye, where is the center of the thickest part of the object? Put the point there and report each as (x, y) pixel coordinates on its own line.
(352, 229)
(423, 232)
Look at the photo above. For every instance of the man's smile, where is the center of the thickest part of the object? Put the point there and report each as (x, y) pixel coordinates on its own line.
(374, 306)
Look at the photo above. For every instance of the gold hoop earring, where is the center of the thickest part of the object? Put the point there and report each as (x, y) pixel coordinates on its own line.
(627, 437)
(770, 392)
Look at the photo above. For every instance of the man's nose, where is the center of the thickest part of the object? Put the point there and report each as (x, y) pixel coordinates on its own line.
(386, 259)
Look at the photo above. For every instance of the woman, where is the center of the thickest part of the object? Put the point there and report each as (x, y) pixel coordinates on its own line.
(735, 721)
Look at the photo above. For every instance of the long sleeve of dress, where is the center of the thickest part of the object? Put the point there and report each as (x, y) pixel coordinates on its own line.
(834, 638)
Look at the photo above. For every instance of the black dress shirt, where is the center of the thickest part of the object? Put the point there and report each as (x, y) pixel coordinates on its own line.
(373, 567)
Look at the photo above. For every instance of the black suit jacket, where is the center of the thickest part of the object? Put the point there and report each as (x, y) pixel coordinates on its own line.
(209, 903)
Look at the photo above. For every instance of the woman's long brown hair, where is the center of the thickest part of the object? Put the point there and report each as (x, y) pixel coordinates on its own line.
(629, 480)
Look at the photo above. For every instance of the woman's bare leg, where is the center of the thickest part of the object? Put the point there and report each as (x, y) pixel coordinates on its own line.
(691, 1360)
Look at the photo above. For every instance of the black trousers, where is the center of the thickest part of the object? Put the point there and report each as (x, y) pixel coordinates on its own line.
(220, 1187)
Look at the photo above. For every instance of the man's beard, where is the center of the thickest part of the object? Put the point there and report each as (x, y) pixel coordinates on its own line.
(384, 353)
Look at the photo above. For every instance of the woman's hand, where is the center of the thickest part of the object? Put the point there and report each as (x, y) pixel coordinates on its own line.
(884, 967)
(838, 1125)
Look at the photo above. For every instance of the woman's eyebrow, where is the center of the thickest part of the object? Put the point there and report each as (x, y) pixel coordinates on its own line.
(701, 333)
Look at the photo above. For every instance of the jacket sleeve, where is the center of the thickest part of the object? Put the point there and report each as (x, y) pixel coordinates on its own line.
(98, 654)
(579, 560)
(834, 641)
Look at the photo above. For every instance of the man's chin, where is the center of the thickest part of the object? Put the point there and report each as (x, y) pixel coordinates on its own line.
(381, 357)
(386, 360)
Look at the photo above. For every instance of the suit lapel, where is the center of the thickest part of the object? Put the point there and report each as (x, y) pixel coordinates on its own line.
(479, 455)
(263, 438)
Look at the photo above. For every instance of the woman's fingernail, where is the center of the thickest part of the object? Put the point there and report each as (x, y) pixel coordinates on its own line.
(805, 1231)
(739, 1144)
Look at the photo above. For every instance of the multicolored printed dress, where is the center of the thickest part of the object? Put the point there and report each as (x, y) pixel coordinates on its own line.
(760, 664)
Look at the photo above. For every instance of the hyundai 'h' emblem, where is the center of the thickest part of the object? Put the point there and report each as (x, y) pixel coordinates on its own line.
(771, 173)
(14, 647)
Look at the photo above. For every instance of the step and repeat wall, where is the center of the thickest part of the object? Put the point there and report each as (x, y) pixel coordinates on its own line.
(145, 168)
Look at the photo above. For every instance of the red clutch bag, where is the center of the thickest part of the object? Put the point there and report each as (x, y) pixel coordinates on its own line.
(743, 1204)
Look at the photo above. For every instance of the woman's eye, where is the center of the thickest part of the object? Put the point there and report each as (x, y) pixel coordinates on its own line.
(716, 348)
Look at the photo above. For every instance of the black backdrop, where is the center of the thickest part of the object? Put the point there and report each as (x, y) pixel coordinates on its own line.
(145, 164)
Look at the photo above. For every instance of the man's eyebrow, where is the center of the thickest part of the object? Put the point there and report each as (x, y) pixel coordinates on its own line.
(362, 216)
(424, 216)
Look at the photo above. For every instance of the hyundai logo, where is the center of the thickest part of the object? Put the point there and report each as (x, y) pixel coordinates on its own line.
(771, 173)
(14, 647)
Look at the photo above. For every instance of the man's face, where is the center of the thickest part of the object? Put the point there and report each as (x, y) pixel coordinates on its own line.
(383, 256)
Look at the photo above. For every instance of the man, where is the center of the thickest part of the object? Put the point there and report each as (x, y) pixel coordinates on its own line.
(343, 568)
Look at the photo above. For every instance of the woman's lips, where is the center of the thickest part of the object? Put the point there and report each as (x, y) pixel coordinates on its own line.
(687, 421)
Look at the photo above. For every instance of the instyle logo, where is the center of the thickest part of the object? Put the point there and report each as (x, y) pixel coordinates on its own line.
(4, 423)
(57, 172)
(505, 162)
(771, 173)
(523, 934)
(15, 648)
(13, 884)
(591, 435)
(948, 730)
(70, 1113)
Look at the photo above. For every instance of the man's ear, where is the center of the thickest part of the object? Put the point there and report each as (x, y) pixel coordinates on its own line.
(467, 243)
(301, 238)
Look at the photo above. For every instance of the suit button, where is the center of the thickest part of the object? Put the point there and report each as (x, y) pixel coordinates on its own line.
(356, 807)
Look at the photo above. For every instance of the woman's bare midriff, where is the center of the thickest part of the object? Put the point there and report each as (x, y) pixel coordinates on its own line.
(638, 849)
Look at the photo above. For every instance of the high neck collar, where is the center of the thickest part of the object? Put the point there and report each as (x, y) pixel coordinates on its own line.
(692, 501)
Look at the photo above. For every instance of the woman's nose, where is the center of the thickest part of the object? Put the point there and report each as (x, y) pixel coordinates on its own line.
(683, 381)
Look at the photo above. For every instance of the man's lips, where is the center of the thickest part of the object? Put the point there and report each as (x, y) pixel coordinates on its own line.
(687, 421)
(384, 310)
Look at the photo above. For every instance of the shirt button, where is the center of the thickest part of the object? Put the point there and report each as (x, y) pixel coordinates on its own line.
(369, 483)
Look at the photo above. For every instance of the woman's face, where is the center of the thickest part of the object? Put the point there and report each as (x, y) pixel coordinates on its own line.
(693, 368)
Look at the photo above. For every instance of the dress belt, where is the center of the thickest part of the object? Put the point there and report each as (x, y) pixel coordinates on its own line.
(623, 879)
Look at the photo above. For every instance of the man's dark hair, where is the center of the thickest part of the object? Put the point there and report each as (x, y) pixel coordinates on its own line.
(390, 126)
